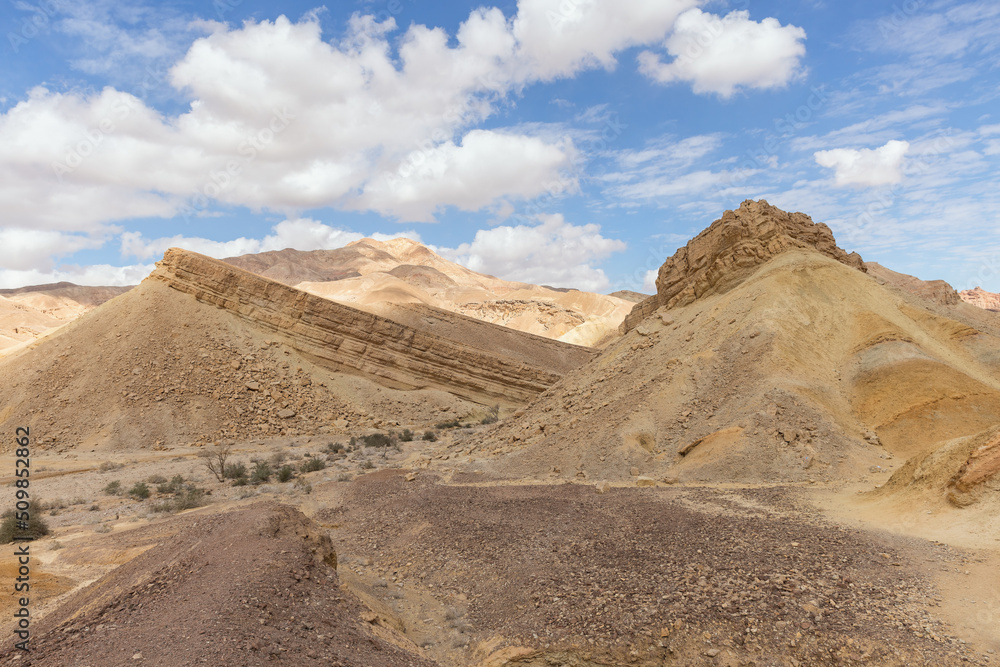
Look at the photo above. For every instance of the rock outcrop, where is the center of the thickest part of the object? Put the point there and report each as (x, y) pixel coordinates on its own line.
(732, 248)
(935, 291)
(981, 298)
(510, 367)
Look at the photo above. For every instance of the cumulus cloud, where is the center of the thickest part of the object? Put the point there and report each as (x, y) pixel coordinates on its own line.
(554, 252)
(464, 176)
(299, 234)
(95, 274)
(724, 55)
(865, 167)
(649, 281)
(27, 249)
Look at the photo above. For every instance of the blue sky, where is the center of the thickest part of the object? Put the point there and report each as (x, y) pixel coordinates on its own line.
(566, 142)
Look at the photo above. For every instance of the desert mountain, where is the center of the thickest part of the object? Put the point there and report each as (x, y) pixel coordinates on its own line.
(28, 313)
(767, 354)
(981, 298)
(375, 275)
(202, 350)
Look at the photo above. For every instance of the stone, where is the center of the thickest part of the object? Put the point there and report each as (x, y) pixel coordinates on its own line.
(645, 482)
(731, 249)
(253, 386)
(286, 413)
(602, 487)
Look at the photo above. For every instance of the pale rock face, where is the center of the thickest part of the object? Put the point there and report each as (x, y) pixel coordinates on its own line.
(981, 298)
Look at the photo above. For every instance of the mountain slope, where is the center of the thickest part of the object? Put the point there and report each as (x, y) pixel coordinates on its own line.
(203, 350)
(369, 273)
(803, 367)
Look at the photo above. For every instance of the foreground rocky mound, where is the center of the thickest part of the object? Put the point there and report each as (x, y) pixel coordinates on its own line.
(203, 350)
(730, 249)
(27, 313)
(245, 587)
(803, 368)
(375, 275)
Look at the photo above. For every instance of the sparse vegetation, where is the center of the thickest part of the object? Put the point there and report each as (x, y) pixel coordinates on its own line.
(406, 435)
(113, 488)
(36, 526)
(285, 473)
(492, 415)
(215, 460)
(261, 472)
(454, 423)
(236, 471)
(108, 466)
(430, 436)
(377, 440)
(312, 465)
(139, 491)
(343, 477)
(367, 465)
(156, 479)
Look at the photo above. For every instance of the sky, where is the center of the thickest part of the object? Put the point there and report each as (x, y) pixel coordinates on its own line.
(574, 143)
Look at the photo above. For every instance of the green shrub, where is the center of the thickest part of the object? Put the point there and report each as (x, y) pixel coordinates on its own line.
(235, 470)
(312, 465)
(139, 491)
(377, 440)
(406, 435)
(113, 488)
(261, 472)
(430, 436)
(157, 479)
(36, 526)
(285, 473)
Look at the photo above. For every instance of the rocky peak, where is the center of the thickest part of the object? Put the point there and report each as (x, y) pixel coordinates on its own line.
(732, 248)
(981, 298)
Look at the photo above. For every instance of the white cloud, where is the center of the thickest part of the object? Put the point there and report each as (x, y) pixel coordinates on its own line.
(469, 176)
(27, 249)
(300, 234)
(866, 167)
(554, 252)
(723, 55)
(96, 274)
(649, 281)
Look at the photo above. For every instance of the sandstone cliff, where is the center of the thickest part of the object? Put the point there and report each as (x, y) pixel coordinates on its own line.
(732, 248)
(981, 298)
(350, 340)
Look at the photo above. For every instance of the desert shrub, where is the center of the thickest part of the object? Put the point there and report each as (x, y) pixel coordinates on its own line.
(454, 423)
(303, 486)
(236, 470)
(156, 479)
(285, 473)
(139, 490)
(215, 460)
(113, 488)
(377, 440)
(312, 465)
(261, 472)
(492, 415)
(278, 458)
(335, 448)
(189, 498)
(103, 528)
(354, 442)
(430, 436)
(94, 508)
(36, 526)
(367, 465)
(406, 435)
(343, 477)
(108, 466)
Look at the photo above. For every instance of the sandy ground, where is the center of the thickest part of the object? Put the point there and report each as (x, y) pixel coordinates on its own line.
(475, 570)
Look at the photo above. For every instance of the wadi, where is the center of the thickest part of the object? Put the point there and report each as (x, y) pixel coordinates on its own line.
(374, 456)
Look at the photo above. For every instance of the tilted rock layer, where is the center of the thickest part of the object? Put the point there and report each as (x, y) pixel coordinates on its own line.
(511, 367)
(732, 248)
(203, 351)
